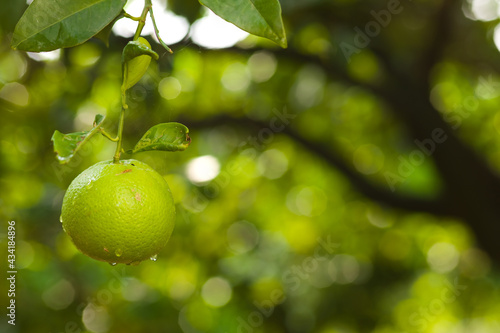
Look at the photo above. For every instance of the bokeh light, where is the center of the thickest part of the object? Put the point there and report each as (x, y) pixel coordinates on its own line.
(213, 32)
(202, 169)
(242, 236)
(443, 257)
(216, 292)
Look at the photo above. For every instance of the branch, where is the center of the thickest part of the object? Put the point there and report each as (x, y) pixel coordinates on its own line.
(438, 40)
(332, 157)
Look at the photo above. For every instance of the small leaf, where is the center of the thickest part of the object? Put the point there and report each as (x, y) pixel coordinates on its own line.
(258, 17)
(164, 137)
(138, 48)
(52, 24)
(136, 58)
(99, 118)
(106, 32)
(66, 145)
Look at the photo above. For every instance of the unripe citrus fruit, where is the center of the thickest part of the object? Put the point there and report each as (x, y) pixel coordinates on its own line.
(119, 213)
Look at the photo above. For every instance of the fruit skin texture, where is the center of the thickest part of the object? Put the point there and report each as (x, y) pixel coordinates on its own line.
(119, 213)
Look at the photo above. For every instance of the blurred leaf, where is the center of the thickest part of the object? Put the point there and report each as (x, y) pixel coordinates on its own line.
(66, 145)
(190, 9)
(165, 137)
(49, 24)
(136, 58)
(106, 32)
(258, 17)
(10, 14)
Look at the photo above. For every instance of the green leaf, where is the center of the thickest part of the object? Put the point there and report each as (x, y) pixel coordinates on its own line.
(106, 32)
(165, 137)
(138, 48)
(99, 118)
(66, 145)
(52, 24)
(136, 57)
(259, 17)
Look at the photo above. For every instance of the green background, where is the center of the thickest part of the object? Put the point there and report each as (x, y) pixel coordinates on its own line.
(246, 254)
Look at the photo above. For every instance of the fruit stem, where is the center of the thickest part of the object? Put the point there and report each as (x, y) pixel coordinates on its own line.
(142, 21)
(118, 151)
(142, 18)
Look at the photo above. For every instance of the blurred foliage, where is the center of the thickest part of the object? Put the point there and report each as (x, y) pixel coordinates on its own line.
(246, 254)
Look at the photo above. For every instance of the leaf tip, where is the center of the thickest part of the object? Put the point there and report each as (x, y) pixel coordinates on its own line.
(56, 132)
(99, 118)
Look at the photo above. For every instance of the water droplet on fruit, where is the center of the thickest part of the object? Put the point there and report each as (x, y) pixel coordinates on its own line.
(118, 253)
(60, 218)
(153, 258)
(112, 263)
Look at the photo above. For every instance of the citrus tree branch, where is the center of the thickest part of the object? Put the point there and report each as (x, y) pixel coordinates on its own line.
(440, 35)
(332, 156)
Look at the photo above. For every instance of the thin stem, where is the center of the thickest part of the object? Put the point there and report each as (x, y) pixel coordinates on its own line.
(157, 32)
(118, 151)
(107, 135)
(133, 18)
(147, 6)
(142, 21)
(124, 91)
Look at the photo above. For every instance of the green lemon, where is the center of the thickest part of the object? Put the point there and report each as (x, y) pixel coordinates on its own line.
(119, 213)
